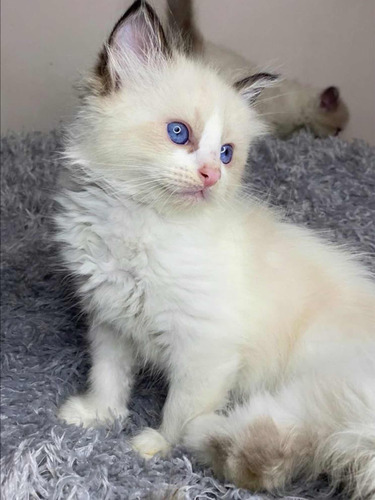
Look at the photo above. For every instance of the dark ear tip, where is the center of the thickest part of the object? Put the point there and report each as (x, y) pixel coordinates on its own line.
(135, 6)
(139, 6)
(333, 91)
(329, 98)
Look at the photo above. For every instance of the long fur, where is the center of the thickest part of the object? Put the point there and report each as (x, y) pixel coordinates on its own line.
(245, 313)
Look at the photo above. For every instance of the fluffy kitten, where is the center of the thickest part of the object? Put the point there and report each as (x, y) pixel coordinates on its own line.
(176, 270)
(287, 106)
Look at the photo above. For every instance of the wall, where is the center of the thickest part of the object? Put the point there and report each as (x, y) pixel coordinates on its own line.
(47, 43)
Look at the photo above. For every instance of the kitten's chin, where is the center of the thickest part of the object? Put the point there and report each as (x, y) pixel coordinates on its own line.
(177, 202)
(189, 201)
(195, 195)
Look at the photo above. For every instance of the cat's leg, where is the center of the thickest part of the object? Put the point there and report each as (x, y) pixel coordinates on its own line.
(110, 381)
(198, 385)
(316, 424)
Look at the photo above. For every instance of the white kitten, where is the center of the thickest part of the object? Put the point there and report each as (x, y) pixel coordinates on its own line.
(287, 106)
(175, 270)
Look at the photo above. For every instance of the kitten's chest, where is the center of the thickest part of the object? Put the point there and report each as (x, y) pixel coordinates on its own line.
(160, 269)
(158, 281)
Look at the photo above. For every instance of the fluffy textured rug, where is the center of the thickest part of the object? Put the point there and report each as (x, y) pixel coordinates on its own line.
(327, 184)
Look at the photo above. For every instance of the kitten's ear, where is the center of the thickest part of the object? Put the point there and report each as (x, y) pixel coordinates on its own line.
(329, 99)
(251, 86)
(137, 38)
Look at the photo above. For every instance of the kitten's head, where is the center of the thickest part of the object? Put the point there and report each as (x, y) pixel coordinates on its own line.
(159, 126)
(329, 113)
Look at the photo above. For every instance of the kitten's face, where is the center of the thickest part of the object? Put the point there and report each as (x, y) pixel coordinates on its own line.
(170, 143)
(170, 133)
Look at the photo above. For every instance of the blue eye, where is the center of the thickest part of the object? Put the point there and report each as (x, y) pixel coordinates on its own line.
(226, 153)
(178, 132)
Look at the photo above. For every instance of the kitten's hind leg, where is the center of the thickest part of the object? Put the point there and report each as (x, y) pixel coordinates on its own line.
(318, 423)
(110, 381)
(258, 455)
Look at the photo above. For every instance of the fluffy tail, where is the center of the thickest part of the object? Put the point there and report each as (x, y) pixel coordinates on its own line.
(309, 428)
(182, 25)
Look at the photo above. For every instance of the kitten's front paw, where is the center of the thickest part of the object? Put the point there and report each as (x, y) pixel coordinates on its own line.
(86, 411)
(149, 442)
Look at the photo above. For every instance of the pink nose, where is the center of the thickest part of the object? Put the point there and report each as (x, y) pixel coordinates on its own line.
(209, 175)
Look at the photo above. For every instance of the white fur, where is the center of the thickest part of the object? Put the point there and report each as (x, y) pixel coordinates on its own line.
(229, 301)
(150, 442)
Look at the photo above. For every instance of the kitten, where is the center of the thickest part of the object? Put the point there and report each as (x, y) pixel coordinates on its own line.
(175, 269)
(287, 106)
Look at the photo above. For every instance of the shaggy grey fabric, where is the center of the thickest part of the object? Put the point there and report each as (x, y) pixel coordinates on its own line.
(328, 184)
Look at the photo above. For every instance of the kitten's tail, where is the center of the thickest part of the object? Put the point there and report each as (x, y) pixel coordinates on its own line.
(273, 440)
(182, 24)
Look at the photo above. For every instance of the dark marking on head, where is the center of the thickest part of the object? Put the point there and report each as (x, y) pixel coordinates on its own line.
(151, 20)
(250, 80)
(151, 35)
(101, 71)
(251, 86)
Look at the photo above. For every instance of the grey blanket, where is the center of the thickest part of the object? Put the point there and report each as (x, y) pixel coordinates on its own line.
(327, 184)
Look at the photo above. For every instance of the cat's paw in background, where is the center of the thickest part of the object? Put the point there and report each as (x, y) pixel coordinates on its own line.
(89, 412)
(150, 442)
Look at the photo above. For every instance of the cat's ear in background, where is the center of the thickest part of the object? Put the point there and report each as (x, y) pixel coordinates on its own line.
(138, 38)
(251, 86)
(329, 99)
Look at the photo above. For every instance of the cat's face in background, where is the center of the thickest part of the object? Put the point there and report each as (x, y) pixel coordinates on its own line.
(159, 127)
